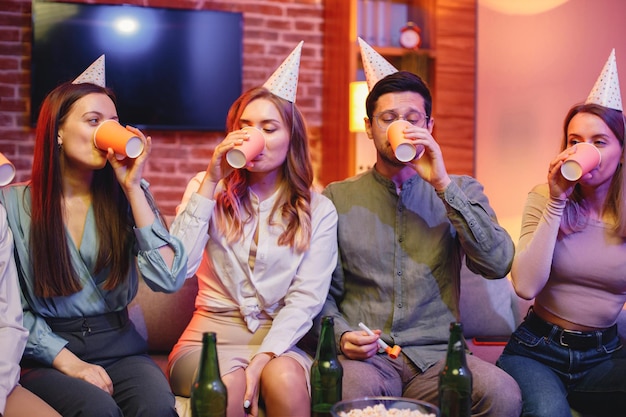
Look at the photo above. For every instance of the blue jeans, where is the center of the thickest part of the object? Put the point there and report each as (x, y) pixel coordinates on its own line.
(553, 377)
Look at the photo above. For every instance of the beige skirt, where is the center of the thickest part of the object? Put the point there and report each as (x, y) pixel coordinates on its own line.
(236, 346)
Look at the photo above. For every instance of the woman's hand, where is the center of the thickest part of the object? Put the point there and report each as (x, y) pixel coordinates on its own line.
(359, 345)
(129, 171)
(253, 377)
(71, 365)
(560, 188)
(218, 167)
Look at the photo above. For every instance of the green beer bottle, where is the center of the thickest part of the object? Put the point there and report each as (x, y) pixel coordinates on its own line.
(326, 372)
(208, 392)
(455, 379)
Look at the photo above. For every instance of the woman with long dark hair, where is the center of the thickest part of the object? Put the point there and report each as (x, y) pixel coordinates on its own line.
(85, 227)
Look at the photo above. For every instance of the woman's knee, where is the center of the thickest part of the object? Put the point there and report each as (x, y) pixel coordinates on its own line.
(182, 373)
(70, 396)
(283, 374)
(23, 403)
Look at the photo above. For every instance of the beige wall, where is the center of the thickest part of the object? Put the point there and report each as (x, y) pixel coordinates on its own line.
(531, 69)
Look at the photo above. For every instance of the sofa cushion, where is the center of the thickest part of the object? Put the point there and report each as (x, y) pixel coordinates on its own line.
(489, 307)
(160, 317)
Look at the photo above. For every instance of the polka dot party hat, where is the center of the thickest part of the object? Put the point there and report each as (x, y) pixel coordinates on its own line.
(606, 90)
(375, 66)
(284, 81)
(93, 74)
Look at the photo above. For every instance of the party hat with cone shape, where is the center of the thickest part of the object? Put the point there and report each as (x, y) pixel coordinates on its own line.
(375, 66)
(284, 81)
(93, 74)
(606, 90)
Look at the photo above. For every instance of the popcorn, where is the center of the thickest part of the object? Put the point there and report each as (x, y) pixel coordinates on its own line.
(379, 410)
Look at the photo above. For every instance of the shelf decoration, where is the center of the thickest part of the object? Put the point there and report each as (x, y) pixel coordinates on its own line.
(411, 36)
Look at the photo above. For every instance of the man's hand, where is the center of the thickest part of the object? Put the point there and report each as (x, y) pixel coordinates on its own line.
(359, 345)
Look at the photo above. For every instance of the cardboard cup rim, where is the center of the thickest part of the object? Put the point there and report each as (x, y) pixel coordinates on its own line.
(235, 153)
(5, 180)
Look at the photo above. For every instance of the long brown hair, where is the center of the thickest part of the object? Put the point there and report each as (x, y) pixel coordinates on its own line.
(51, 261)
(234, 208)
(575, 214)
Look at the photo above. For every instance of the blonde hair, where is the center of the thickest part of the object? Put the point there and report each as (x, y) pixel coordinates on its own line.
(233, 205)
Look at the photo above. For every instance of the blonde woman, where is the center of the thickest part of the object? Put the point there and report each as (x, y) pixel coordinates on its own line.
(267, 245)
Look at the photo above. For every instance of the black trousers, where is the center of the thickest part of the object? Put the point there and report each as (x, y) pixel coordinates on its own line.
(140, 387)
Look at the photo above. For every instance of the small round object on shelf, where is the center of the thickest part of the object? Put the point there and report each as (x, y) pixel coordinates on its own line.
(410, 36)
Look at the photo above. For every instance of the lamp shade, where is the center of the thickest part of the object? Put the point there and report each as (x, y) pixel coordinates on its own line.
(358, 94)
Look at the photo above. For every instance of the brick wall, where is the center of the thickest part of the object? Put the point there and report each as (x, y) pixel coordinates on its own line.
(272, 28)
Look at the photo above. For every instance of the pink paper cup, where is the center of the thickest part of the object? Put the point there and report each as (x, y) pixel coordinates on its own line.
(581, 162)
(241, 155)
(404, 150)
(7, 170)
(111, 134)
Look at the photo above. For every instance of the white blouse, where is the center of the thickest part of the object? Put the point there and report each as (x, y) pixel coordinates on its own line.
(286, 286)
(12, 333)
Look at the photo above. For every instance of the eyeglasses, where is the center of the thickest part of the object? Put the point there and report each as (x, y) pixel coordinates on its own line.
(385, 118)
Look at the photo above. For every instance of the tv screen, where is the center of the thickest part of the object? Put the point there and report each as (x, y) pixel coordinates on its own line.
(169, 68)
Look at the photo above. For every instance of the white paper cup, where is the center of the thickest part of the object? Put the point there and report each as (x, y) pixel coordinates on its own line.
(7, 170)
(404, 150)
(586, 158)
(111, 134)
(241, 155)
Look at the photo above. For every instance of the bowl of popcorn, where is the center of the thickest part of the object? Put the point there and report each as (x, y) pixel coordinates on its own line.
(384, 407)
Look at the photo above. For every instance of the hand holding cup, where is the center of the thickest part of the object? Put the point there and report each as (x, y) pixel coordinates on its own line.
(111, 134)
(585, 158)
(403, 148)
(241, 155)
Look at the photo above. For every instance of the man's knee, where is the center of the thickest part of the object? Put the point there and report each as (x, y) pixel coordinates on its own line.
(497, 394)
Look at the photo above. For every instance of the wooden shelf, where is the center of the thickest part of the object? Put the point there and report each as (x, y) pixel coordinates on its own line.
(449, 70)
(391, 51)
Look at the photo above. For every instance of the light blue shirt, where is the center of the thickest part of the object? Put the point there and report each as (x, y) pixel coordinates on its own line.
(401, 254)
(43, 344)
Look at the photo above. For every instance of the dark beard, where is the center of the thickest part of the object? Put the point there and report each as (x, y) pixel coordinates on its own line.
(389, 157)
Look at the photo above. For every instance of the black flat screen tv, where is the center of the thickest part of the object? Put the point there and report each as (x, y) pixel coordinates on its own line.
(170, 69)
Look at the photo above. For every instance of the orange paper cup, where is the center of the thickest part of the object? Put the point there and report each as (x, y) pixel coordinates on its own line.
(111, 134)
(581, 162)
(7, 170)
(404, 150)
(241, 155)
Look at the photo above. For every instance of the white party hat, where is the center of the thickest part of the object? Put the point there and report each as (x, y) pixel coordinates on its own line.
(606, 90)
(284, 81)
(93, 74)
(375, 66)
